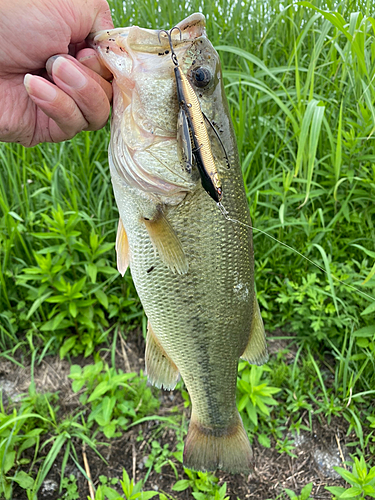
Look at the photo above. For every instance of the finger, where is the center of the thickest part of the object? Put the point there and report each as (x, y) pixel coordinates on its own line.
(87, 71)
(89, 58)
(91, 93)
(103, 19)
(74, 48)
(66, 119)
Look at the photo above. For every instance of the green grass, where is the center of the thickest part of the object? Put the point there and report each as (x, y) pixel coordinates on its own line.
(299, 79)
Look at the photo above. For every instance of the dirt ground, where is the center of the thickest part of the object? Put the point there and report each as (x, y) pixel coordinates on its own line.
(316, 452)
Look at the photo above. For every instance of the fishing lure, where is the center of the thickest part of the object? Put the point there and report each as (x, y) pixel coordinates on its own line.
(191, 122)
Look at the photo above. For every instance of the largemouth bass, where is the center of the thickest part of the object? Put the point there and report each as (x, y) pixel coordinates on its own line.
(193, 268)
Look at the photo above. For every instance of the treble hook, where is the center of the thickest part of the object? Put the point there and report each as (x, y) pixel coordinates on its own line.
(169, 35)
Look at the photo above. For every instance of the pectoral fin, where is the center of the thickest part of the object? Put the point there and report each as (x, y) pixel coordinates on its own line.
(122, 248)
(160, 369)
(256, 349)
(167, 244)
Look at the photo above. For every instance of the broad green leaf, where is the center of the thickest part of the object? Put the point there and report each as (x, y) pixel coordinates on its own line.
(73, 309)
(67, 346)
(37, 303)
(15, 216)
(109, 430)
(199, 496)
(351, 492)
(55, 323)
(8, 461)
(290, 494)
(145, 495)
(366, 331)
(371, 473)
(348, 476)
(28, 443)
(262, 407)
(107, 407)
(252, 413)
(264, 440)
(369, 309)
(24, 480)
(243, 402)
(335, 490)
(368, 489)
(245, 386)
(105, 247)
(101, 389)
(6, 486)
(306, 490)
(92, 272)
(102, 298)
(181, 485)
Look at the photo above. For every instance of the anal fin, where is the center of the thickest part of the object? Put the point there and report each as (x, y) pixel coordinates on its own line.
(256, 349)
(167, 244)
(122, 249)
(160, 369)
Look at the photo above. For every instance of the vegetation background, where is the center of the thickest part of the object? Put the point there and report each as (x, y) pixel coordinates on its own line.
(300, 83)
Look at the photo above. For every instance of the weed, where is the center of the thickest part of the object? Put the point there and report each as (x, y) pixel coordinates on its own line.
(203, 484)
(255, 395)
(131, 490)
(362, 481)
(70, 485)
(305, 493)
(66, 275)
(15, 438)
(158, 458)
(20, 430)
(116, 398)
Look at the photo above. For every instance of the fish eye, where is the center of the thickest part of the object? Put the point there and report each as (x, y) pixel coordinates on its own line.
(201, 77)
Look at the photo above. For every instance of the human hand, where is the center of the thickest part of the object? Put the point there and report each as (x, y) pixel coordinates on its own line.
(32, 108)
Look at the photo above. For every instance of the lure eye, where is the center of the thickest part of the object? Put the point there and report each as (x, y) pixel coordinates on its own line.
(201, 77)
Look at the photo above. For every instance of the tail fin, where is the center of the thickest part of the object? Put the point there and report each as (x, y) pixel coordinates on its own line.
(227, 449)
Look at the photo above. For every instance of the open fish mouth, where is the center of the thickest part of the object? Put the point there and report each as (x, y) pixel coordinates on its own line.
(147, 40)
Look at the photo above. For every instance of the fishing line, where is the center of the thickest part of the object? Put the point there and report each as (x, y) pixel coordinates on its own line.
(225, 213)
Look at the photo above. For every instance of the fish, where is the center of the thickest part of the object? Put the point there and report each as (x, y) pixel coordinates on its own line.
(193, 268)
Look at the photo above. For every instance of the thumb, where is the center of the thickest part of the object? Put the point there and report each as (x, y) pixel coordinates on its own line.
(103, 18)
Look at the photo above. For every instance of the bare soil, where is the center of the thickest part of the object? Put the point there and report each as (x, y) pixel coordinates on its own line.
(316, 452)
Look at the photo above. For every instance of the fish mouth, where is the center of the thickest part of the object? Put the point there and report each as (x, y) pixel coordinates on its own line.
(147, 40)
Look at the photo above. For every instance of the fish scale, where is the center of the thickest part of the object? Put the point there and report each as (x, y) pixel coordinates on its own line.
(193, 268)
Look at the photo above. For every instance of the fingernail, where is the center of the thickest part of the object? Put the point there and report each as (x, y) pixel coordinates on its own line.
(38, 87)
(91, 62)
(49, 65)
(67, 71)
